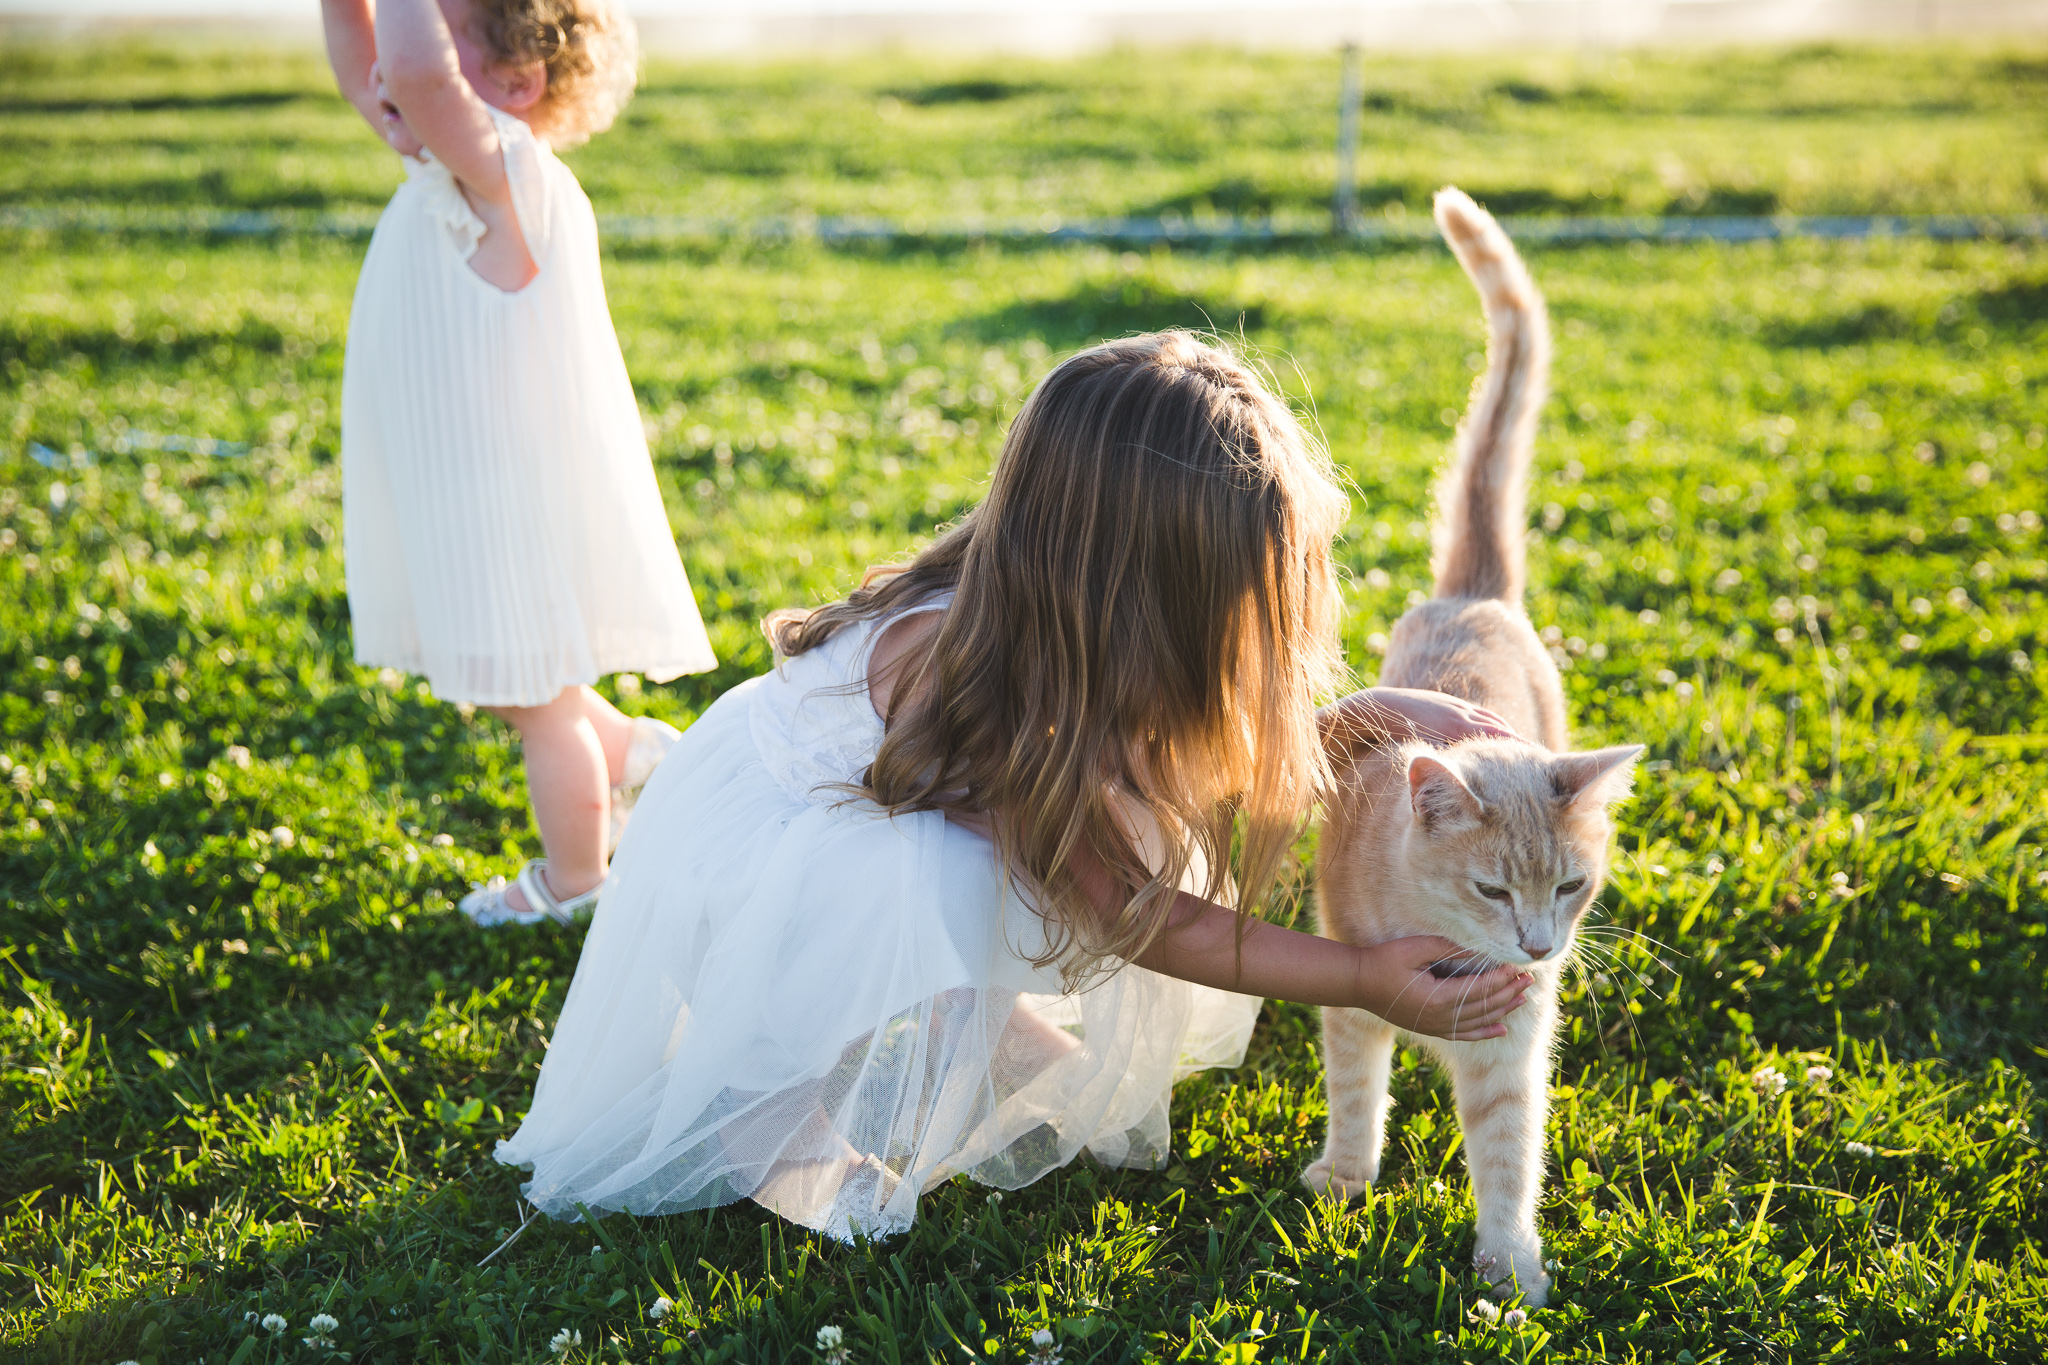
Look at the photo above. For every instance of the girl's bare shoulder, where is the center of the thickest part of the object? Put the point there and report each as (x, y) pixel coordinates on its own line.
(901, 643)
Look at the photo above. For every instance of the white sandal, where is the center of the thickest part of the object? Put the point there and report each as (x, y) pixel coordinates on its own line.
(487, 906)
(652, 739)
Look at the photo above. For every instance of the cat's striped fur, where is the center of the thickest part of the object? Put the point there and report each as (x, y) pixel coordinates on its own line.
(1498, 845)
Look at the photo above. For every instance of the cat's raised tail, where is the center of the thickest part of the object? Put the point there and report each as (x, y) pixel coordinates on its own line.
(1481, 502)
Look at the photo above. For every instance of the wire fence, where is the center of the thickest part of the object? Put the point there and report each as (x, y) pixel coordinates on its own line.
(1051, 228)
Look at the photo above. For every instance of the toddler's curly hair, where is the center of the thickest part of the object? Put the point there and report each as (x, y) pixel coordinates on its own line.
(590, 49)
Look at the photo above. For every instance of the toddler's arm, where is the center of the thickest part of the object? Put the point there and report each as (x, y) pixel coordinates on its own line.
(423, 78)
(352, 52)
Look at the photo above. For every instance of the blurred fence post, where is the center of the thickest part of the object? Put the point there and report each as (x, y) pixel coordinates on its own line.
(1344, 211)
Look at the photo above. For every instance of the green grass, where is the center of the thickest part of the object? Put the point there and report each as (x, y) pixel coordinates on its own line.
(1790, 501)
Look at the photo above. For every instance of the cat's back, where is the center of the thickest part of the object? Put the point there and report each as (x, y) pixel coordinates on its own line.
(1483, 651)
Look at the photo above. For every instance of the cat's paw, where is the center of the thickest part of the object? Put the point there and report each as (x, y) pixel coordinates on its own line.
(1513, 1268)
(1340, 1183)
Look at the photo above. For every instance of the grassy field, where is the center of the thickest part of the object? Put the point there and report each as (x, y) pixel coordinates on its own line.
(1789, 501)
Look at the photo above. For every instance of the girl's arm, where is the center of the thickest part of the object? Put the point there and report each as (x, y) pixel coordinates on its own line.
(352, 50)
(1395, 715)
(423, 78)
(1201, 943)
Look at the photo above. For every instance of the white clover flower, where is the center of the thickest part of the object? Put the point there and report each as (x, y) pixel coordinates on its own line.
(832, 1344)
(995, 1196)
(249, 1316)
(444, 841)
(1044, 1351)
(661, 1308)
(1513, 1318)
(274, 1324)
(1486, 1311)
(596, 1252)
(1436, 1187)
(1819, 1075)
(564, 1341)
(1770, 1080)
(322, 1323)
(283, 837)
(1859, 1149)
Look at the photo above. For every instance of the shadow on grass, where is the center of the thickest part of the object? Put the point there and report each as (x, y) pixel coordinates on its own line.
(1116, 308)
(974, 91)
(2018, 303)
(1858, 325)
(40, 345)
(159, 104)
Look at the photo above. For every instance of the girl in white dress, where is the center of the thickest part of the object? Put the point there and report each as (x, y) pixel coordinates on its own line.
(946, 891)
(503, 529)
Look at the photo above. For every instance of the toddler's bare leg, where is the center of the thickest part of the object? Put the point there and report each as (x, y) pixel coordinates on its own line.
(614, 732)
(569, 783)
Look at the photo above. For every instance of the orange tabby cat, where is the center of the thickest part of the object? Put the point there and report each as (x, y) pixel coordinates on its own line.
(1499, 845)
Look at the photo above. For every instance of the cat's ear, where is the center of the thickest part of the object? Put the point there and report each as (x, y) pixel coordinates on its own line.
(1598, 779)
(1439, 796)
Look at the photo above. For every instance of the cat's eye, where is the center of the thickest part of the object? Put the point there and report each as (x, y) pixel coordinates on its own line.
(1494, 893)
(1567, 888)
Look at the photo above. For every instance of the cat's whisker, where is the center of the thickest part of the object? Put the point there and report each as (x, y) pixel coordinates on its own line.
(1609, 958)
(1633, 936)
(1601, 911)
(1586, 948)
(1610, 953)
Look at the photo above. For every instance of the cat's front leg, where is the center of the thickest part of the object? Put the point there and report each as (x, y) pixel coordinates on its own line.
(1358, 1058)
(1503, 1100)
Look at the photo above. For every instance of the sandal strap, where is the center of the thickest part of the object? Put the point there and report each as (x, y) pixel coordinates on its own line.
(535, 885)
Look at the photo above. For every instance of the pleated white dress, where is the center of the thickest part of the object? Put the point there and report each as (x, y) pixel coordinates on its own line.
(783, 985)
(504, 532)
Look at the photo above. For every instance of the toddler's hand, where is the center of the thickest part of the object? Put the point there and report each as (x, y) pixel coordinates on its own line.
(1395, 715)
(1412, 984)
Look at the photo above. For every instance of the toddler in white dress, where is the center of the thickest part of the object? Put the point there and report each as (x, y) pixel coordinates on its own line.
(947, 891)
(504, 532)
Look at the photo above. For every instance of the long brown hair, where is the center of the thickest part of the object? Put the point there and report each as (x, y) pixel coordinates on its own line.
(1144, 615)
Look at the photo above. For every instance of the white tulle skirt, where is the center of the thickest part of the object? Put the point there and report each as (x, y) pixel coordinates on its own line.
(795, 999)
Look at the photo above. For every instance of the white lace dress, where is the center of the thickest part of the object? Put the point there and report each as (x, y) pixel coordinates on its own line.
(783, 987)
(504, 533)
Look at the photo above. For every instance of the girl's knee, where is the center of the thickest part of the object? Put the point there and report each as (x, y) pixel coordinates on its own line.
(565, 709)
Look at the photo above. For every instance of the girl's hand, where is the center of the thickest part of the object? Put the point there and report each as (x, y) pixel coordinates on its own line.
(1396, 715)
(1400, 981)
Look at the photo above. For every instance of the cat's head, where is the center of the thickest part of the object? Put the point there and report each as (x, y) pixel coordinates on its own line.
(1507, 844)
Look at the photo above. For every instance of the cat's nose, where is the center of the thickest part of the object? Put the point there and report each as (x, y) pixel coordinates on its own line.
(1537, 951)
